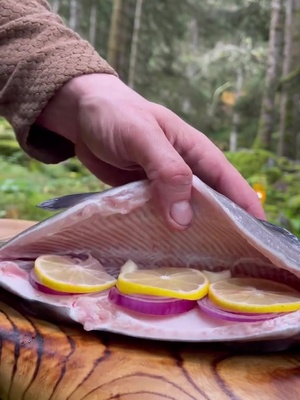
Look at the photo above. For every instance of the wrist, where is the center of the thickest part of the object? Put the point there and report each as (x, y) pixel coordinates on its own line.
(61, 113)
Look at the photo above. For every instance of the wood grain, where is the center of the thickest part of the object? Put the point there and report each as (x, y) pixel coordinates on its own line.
(11, 227)
(43, 360)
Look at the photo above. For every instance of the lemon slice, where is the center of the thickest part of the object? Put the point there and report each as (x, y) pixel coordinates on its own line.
(254, 295)
(181, 283)
(129, 266)
(217, 276)
(71, 274)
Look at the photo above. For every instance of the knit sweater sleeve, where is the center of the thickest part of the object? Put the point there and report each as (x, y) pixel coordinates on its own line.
(39, 54)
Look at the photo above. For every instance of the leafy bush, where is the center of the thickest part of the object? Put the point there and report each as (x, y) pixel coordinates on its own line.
(23, 187)
(250, 162)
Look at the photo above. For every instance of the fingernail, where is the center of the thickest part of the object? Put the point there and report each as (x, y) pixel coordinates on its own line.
(181, 213)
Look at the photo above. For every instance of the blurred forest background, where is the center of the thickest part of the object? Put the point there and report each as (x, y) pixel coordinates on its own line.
(229, 68)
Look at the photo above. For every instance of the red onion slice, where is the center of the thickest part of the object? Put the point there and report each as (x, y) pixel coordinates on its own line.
(209, 308)
(150, 305)
(38, 285)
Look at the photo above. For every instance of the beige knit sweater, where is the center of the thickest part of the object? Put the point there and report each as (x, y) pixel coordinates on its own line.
(38, 55)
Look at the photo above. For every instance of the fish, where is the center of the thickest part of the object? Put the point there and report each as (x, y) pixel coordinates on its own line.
(123, 223)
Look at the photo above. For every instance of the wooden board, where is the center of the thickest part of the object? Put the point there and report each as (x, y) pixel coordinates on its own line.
(43, 360)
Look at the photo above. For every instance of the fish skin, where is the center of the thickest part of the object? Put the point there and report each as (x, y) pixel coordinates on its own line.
(121, 223)
(63, 202)
(278, 229)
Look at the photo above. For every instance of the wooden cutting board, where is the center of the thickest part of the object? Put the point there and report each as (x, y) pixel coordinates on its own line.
(42, 360)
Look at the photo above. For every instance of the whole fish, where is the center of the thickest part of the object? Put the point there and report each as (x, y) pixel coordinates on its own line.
(121, 224)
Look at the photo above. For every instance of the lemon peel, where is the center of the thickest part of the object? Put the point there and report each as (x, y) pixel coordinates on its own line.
(72, 275)
(254, 295)
(181, 283)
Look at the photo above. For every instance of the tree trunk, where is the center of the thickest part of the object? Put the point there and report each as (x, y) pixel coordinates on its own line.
(287, 58)
(74, 15)
(93, 24)
(193, 34)
(266, 123)
(114, 47)
(235, 116)
(290, 118)
(134, 42)
(55, 6)
(125, 30)
(295, 128)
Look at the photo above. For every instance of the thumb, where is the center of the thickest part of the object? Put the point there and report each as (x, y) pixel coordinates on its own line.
(173, 189)
(171, 178)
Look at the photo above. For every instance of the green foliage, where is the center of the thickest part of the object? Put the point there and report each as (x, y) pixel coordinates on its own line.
(249, 162)
(8, 147)
(6, 133)
(281, 178)
(273, 174)
(22, 188)
(25, 182)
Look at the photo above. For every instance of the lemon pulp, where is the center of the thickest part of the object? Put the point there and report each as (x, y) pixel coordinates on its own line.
(182, 283)
(254, 295)
(72, 275)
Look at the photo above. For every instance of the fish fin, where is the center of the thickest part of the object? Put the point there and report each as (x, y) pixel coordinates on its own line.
(60, 203)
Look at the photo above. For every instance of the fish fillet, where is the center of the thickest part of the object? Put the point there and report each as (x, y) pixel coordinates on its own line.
(122, 224)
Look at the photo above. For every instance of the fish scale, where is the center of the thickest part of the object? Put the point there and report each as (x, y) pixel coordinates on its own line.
(121, 224)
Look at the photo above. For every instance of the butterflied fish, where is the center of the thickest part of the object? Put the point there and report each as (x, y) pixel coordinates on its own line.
(122, 224)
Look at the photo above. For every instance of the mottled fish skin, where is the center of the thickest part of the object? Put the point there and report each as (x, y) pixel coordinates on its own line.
(282, 231)
(122, 223)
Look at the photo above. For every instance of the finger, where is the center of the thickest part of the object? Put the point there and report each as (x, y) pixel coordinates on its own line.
(171, 177)
(107, 173)
(228, 181)
(209, 163)
(140, 141)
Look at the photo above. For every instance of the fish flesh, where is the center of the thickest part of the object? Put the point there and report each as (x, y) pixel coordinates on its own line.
(121, 224)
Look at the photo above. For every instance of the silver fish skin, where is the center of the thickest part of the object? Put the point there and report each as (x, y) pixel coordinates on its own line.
(70, 200)
(121, 224)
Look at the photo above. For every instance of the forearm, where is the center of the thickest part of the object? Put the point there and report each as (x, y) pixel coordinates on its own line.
(39, 55)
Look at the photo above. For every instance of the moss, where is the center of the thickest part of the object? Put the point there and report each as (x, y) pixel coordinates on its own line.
(250, 162)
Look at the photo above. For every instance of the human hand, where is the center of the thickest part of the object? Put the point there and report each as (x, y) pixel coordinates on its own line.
(121, 137)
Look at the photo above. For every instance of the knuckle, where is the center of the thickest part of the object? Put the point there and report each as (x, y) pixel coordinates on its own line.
(174, 175)
(162, 111)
